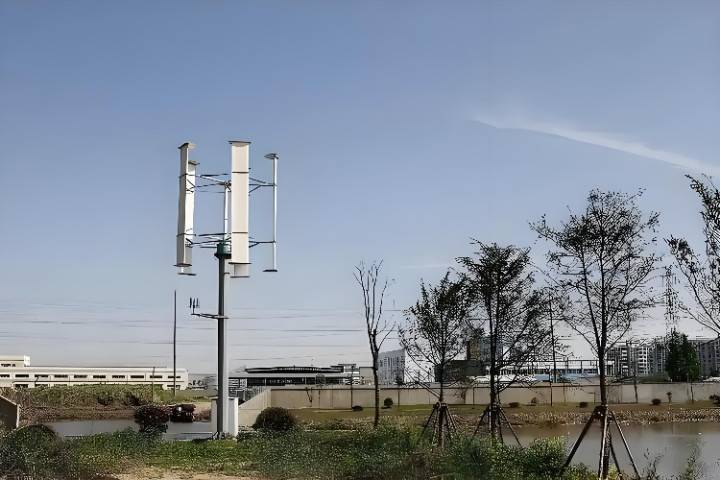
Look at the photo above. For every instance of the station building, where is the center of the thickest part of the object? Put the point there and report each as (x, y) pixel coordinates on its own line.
(344, 374)
(16, 372)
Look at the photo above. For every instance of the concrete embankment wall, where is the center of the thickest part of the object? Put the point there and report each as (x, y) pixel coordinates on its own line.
(345, 397)
(646, 392)
(329, 398)
(248, 411)
(9, 413)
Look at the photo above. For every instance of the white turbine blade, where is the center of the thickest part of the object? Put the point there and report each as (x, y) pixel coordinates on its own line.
(240, 181)
(186, 207)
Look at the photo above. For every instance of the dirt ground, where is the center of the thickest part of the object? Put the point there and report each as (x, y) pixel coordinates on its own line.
(152, 475)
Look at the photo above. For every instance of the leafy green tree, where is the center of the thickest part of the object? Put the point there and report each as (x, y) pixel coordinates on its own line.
(509, 314)
(435, 334)
(682, 363)
(436, 330)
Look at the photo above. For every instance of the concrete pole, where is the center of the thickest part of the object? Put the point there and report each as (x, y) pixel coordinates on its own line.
(223, 255)
(175, 346)
(553, 377)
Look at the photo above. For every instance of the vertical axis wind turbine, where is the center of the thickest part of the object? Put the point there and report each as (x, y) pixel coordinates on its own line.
(231, 246)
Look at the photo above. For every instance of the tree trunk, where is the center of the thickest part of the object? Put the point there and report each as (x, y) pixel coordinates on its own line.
(603, 384)
(442, 373)
(377, 394)
(493, 402)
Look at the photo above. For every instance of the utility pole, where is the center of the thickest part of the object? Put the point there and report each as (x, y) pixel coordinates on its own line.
(635, 368)
(175, 346)
(152, 386)
(223, 255)
(552, 339)
(352, 380)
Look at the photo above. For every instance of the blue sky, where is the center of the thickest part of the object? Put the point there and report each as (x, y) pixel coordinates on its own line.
(403, 129)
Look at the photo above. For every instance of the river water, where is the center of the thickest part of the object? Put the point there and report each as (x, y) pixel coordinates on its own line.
(176, 431)
(672, 442)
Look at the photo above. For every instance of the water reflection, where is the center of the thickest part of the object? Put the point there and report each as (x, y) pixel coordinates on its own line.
(176, 431)
(673, 443)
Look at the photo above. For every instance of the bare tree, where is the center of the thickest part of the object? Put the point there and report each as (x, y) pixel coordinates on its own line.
(511, 313)
(378, 327)
(602, 263)
(435, 334)
(703, 276)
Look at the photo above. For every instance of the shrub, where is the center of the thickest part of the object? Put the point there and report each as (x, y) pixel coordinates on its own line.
(388, 402)
(366, 454)
(276, 419)
(491, 460)
(514, 404)
(534, 401)
(105, 399)
(656, 401)
(583, 404)
(152, 420)
(715, 399)
(669, 395)
(357, 408)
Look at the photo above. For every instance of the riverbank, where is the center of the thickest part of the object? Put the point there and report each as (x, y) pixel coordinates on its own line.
(40, 414)
(389, 452)
(541, 415)
(561, 414)
(392, 452)
(624, 416)
(93, 402)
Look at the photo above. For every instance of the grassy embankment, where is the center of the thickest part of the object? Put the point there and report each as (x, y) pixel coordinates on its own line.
(117, 402)
(560, 413)
(90, 402)
(388, 453)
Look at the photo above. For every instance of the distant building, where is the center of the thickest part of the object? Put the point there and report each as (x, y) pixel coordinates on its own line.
(480, 349)
(366, 376)
(201, 381)
(629, 359)
(569, 368)
(247, 377)
(391, 367)
(15, 371)
(708, 352)
(650, 357)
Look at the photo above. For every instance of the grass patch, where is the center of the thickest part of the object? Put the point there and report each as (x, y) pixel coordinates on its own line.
(359, 454)
(388, 452)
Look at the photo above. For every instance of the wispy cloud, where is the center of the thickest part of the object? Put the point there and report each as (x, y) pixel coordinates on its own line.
(603, 139)
(438, 265)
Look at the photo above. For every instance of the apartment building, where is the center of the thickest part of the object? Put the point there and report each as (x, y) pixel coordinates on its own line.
(631, 359)
(708, 352)
(650, 357)
(391, 367)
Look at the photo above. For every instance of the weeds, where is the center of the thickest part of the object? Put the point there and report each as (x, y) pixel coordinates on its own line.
(390, 452)
(90, 396)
